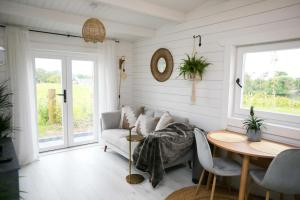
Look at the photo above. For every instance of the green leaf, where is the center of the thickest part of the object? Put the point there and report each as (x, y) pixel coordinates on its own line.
(193, 67)
(253, 122)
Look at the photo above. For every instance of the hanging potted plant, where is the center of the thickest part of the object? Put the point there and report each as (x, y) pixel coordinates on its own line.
(253, 126)
(192, 68)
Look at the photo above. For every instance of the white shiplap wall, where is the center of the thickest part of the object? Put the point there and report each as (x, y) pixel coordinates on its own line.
(230, 22)
(52, 42)
(3, 71)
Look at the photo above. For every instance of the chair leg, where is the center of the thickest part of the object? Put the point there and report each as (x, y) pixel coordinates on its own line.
(200, 181)
(281, 196)
(248, 190)
(213, 188)
(105, 148)
(267, 195)
(210, 174)
(208, 180)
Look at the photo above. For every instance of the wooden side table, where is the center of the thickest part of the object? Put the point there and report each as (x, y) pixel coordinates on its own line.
(133, 178)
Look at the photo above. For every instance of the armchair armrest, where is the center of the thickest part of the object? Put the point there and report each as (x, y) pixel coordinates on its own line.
(110, 120)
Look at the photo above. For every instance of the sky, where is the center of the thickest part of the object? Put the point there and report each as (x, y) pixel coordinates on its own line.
(258, 63)
(78, 66)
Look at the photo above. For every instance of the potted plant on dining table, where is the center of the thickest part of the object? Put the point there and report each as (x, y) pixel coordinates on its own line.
(253, 126)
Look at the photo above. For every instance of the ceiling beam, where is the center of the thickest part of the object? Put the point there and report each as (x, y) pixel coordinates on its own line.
(77, 21)
(144, 7)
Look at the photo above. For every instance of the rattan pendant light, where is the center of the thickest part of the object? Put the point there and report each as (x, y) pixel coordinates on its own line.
(93, 30)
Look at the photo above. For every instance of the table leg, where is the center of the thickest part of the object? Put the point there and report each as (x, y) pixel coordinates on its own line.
(132, 178)
(130, 160)
(244, 175)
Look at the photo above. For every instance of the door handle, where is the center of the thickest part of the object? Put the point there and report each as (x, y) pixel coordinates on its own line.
(64, 95)
(238, 82)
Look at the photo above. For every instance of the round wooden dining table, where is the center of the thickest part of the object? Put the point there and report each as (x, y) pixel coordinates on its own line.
(238, 143)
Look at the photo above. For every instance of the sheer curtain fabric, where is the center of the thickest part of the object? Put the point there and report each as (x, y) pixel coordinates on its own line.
(22, 85)
(108, 77)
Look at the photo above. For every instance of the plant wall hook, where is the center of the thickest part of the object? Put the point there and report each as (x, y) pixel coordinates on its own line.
(198, 36)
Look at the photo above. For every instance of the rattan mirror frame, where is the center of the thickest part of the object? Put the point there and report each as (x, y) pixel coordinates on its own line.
(165, 54)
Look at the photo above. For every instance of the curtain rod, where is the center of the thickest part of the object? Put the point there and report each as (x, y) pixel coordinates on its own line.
(61, 34)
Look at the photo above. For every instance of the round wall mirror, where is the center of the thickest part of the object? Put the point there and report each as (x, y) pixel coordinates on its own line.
(162, 64)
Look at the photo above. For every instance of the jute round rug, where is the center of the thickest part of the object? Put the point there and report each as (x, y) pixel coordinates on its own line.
(189, 193)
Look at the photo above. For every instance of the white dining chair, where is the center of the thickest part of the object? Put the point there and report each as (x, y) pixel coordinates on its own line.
(216, 165)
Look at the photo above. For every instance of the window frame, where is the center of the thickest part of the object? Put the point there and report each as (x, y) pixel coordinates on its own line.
(276, 132)
(278, 118)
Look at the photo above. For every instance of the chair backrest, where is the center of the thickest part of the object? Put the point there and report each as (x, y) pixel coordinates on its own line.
(203, 150)
(283, 174)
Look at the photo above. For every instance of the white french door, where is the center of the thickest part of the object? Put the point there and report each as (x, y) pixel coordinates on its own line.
(66, 96)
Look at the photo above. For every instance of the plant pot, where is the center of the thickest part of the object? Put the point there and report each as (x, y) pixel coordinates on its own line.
(254, 135)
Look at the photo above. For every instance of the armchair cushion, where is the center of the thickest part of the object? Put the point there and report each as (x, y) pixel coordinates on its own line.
(129, 116)
(110, 120)
(145, 124)
(114, 135)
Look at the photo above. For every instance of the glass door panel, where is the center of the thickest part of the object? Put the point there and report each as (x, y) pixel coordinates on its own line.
(83, 130)
(50, 105)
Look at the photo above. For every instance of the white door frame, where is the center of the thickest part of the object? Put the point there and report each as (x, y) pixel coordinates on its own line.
(66, 58)
(70, 99)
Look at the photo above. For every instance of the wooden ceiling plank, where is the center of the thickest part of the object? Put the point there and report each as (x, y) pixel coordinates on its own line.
(53, 16)
(146, 8)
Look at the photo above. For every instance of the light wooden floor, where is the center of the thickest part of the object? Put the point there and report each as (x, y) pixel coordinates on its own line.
(90, 174)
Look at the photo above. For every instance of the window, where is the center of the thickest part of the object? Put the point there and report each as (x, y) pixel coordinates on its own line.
(2, 56)
(270, 79)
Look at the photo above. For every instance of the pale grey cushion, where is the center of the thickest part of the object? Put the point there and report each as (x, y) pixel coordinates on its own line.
(114, 135)
(145, 124)
(110, 120)
(159, 113)
(164, 120)
(226, 167)
(148, 112)
(117, 137)
(129, 115)
(124, 145)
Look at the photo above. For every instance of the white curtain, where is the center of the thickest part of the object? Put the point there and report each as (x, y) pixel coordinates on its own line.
(108, 77)
(22, 85)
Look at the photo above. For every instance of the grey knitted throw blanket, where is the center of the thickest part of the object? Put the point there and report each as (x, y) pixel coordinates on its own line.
(163, 147)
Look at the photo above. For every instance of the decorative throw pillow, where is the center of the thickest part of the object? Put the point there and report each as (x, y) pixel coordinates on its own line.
(129, 116)
(165, 119)
(148, 112)
(145, 125)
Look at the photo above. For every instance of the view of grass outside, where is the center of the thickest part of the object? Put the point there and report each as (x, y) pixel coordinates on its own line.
(83, 96)
(272, 81)
(49, 104)
(46, 127)
(82, 112)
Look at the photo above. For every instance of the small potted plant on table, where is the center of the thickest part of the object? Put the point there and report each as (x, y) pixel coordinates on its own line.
(253, 126)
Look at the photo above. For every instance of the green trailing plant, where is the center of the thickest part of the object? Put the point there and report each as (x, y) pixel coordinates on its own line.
(253, 122)
(5, 111)
(193, 67)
